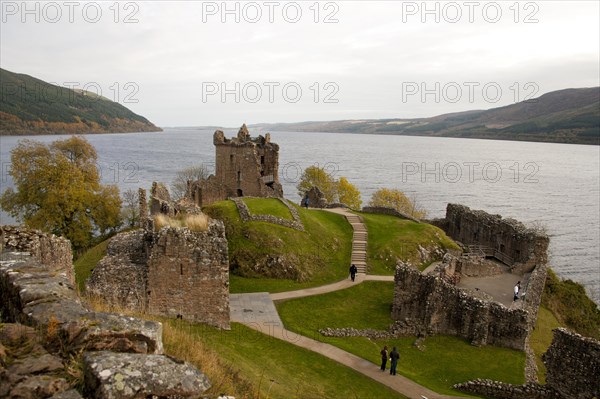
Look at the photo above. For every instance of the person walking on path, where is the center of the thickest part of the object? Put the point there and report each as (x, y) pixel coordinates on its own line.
(384, 357)
(353, 271)
(517, 289)
(394, 357)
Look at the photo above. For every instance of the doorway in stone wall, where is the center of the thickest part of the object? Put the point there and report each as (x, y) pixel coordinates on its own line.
(240, 193)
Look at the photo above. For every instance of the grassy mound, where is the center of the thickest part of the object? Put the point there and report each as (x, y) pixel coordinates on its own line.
(269, 257)
(392, 238)
(444, 362)
(268, 206)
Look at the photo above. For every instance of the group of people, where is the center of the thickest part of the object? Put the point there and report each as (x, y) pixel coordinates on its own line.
(393, 356)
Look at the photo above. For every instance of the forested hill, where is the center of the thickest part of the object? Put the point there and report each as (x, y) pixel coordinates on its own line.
(32, 106)
(563, 116)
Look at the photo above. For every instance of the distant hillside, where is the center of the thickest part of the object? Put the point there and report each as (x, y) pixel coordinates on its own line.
(32, 106)
(564, 116)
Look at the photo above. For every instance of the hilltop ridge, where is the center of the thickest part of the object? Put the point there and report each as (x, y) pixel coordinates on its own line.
(31, 106)
(563, 116)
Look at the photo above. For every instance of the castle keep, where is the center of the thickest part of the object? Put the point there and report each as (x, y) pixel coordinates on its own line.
(243, 167)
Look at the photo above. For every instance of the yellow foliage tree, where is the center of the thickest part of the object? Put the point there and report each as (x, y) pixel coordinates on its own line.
(314, 176)
(394, 198)
(348, 194)
(58, 190)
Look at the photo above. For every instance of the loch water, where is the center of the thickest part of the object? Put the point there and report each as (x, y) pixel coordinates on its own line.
(552, 185)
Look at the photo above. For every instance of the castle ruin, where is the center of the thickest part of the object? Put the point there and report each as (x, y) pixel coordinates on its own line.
(243, 167)
(172, 271)
(493, 246)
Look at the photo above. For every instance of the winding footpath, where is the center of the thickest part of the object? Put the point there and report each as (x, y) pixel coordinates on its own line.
(257, 311)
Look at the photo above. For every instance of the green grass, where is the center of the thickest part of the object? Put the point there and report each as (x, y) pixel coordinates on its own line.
(570, 304)
(281, 370)
(268, 206)
(317, 256)
(541, 338)
(445, 361)
(391, 238)
(87, 262)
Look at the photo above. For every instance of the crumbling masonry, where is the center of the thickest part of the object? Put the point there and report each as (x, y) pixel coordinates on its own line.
(432, 304)
(174, 272)
(243, 167)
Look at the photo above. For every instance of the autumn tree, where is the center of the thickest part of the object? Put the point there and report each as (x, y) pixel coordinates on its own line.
(58, 190)
(348, 194)
(334, 190)
(314, 176)
(179, 184)
(396, 199)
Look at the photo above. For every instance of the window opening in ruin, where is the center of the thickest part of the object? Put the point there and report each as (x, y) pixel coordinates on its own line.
(239, 176)
(270, 185)
(231, 158)
(262, 160)
(181, 269)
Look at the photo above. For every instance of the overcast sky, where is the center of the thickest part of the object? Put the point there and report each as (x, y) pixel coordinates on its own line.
(193, 63)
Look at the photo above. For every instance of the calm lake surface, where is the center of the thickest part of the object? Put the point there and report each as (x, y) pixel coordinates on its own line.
(554, 185)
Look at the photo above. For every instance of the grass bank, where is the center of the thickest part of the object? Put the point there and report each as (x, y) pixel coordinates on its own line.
(392, 238)
(87, 262)
(273, 258)
(444, 362)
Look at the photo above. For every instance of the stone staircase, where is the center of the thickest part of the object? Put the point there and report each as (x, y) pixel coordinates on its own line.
(359, 242)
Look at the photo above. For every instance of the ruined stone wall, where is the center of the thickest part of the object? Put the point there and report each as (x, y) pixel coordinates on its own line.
(48, 249)
(573, 365)
(526, 247)
(121, 277)
(37, 295)
(533, 292)
(188, 275)
(205, 192)
(501, 390)
(572, 372)
(425, 304)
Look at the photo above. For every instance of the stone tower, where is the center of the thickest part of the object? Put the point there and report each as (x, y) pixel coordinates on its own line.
(244, 167)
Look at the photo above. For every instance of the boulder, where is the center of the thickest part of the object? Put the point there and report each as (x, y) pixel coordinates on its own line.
(110, 375)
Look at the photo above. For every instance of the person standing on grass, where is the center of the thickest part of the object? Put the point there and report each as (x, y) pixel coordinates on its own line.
(353, 271)
(384, 357)
(394, 357)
